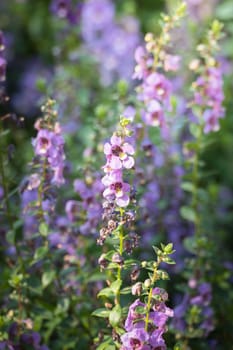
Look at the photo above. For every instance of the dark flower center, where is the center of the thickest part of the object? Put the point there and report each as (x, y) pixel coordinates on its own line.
(116, 150)
(117, 186)
(135, 343)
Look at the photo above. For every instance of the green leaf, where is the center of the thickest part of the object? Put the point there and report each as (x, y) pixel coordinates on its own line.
(157, 250)
(101, 312)
(106, 345)
(187, 186)
(190, 244)
(40, 253)
(115, 286)
(169, 261)
(225, 10)
(43, 229)
(106, 292)
(188, 213)
(168, 248)
(195, 130)
(10, 236)
(47, 278)
(163, 275)
(126, 290)
(115, 316)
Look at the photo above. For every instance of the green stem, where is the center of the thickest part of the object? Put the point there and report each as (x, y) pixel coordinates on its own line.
(195, 180)
(121, 249)
(4, 184)
(41, 192)
(148, 306)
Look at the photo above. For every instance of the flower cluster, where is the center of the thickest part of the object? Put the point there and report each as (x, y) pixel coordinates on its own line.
(88, 209)
(49, 145)
(110, 42)
(155, 89)
(48, 165)
(119, 156)
(136, 336)
(65, 9)
(2, 59)
(208, 87)
(208, 93)
(22, 340)
(195, 309)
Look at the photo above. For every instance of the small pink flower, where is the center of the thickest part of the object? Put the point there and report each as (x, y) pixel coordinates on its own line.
(43, 142)
(157, 87)
(171, 63)
(118, 154)
(154, 115)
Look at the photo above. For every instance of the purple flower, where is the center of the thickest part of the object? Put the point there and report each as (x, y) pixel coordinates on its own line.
(2, 45)
(157, 341)
(97, 14)
(171, 63)
(208, 92)
(43, 142)
(135, 339)
(61, 7)
(134, 317)
(141, 70)
(118, 152)
(154, 114)
(211, 121)
(32, 338)
(50, 144)
(109, 41)
(2, 69)
(116, 189)
(72, 208)
(65, 9)
(157, 87)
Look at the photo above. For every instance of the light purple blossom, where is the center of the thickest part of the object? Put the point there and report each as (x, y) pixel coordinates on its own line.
(65, 9)
(109, 41)
(171, 63)
(116, 189)
(154, 114)
(50, 145)
(118, 153)
(156, 86)
(2, 69)
(134, 318)
(208, 93)
(135, 339)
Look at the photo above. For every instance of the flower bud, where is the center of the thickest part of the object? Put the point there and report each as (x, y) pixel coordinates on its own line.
(147, 283)
(137, 288)
(117, 258)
